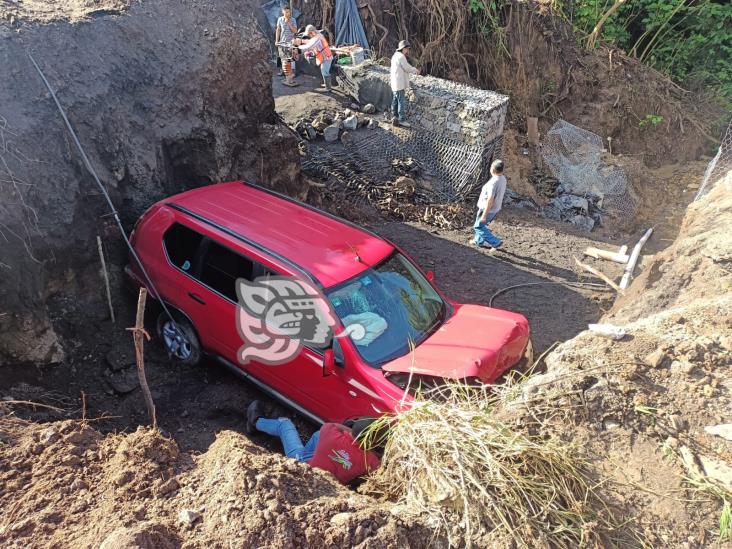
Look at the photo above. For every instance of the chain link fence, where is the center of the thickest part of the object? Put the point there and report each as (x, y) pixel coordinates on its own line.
(719, 166)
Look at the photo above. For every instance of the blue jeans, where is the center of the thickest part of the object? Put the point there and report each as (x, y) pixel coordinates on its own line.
(291, 443)
(483, 235)
(325, 71)
(399, 105)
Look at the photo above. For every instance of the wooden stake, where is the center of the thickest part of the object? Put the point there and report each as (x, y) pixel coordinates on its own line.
(600, 275)
(106, 278)
(138, 332)
(532, 129)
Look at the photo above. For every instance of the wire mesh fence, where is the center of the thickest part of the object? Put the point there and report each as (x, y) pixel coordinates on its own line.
(453, 167)
(719, 166)
(576, 157)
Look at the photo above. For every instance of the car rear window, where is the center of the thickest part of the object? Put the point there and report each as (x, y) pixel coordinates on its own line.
(182, 244)
(221, 267)
(209, 262)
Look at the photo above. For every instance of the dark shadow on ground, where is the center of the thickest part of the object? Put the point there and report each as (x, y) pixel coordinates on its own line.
(467, 274)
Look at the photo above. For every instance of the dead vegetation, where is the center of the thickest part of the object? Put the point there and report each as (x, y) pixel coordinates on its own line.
(486, 476)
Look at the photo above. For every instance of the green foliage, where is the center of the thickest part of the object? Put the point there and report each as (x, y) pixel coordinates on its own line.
(485, 16)
(690, 40)
(725, 522)
(652, 119)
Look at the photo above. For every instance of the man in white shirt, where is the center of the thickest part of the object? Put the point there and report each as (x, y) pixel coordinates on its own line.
(489, 204)
(400, 71)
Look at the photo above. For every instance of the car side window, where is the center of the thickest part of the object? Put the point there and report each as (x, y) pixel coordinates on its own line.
(221, 267)
(182, 244)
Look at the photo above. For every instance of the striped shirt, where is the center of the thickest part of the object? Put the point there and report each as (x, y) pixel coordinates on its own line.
(286, 34)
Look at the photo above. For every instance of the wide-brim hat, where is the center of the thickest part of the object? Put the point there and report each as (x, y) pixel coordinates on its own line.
(403, 44)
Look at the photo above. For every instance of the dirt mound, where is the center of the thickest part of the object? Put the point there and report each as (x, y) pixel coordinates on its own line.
(69, 486)
(641, 405)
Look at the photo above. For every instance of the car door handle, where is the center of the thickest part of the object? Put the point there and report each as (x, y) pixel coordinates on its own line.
(196, 297)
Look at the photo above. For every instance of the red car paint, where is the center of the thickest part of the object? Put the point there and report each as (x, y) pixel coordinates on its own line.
(289, 238)
(475, 342)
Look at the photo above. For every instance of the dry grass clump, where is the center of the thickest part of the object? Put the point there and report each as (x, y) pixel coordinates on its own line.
(480, 477)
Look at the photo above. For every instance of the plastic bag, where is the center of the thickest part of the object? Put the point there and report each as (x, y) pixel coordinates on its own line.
(364, 328)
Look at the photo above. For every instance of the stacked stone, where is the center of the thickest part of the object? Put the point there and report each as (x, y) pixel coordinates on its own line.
(472, 116)
(456, 129)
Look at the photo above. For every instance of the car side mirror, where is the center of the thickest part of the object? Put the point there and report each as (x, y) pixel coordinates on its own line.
(328, 362)
(338, 353)
(430, 276)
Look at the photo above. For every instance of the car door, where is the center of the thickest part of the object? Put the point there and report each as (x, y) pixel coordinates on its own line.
(336, 395)
(215, 309)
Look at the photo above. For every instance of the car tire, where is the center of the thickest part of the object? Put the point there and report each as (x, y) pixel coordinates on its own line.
(179, 339)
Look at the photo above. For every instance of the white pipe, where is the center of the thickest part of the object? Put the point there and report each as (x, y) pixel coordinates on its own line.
(597, 253)
(630, 267)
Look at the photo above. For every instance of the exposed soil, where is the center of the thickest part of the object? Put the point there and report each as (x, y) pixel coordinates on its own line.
(77, 469)
(70, 486)
(46, 11)
(162, 100)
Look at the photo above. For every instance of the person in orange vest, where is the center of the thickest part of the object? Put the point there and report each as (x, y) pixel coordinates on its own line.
(318, 45)
(334, 448)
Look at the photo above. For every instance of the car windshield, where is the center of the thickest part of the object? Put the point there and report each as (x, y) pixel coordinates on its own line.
(387, 307)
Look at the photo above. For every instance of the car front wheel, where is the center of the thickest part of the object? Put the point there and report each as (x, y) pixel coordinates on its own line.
(179, 339)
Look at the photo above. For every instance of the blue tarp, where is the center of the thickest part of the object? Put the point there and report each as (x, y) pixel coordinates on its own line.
(348, 26)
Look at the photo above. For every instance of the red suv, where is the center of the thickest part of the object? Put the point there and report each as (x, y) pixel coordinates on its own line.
(196, 245)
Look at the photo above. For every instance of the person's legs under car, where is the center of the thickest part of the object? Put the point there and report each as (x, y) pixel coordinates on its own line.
(287, 432)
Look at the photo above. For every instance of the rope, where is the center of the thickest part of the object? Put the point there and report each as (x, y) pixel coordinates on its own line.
(566, 283)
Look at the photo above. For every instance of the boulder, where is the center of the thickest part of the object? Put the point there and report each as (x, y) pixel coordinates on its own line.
(583, 222)
(350, 123)
(331, 132)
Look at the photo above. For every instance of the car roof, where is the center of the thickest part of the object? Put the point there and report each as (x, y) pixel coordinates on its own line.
(322, 244)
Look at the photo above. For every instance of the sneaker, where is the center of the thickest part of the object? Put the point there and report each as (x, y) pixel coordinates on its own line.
(404, 124)
(254, 412)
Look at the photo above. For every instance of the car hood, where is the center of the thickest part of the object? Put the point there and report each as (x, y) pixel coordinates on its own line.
(475, 341)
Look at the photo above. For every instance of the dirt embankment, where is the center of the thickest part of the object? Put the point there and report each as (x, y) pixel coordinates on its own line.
(533, 56)
(640, 405)
(69, 486)
(162, 99)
